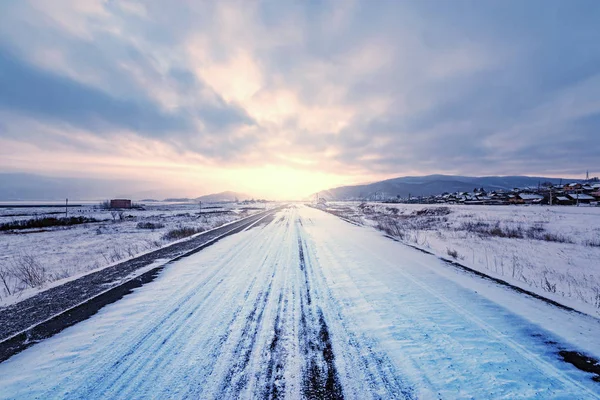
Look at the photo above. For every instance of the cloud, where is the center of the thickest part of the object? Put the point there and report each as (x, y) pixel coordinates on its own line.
(353, 88)
(43, 94)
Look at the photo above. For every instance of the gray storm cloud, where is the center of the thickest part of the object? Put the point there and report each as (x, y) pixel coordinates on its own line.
(469, 87)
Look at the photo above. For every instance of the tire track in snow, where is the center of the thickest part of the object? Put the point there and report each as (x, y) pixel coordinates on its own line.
(276, 353)
(439, 332)
(236, 379)
(252, 323)
(537, 362)
(367, 366)
(275, 384)
(321, 379)
(243, 378)
(164, 330)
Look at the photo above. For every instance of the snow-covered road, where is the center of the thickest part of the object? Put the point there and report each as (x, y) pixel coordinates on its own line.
(309, 306)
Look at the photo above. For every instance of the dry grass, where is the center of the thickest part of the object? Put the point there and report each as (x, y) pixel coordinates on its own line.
(150, 225)
(45, 223)
(181, 232)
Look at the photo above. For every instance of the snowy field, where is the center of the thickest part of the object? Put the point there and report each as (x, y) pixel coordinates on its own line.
(554, 251)
(32, 259)
(309, 306)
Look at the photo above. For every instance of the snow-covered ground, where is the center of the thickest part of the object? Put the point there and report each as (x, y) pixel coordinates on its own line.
(64, 252)
(309, 306)
(554, 251)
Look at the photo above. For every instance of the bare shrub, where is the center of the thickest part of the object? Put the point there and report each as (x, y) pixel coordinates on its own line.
(28, 271)
(539, 233)
(390, 225)
(596, 298)
(150, 244)
(593, 243)
(132, 250)
(547, 286)
(452, 253)
(61, 274)
(45, 222)
(115, 254)
(5, 279)
(366, 208)
(517, 268)
(536, 232)
(425, 223)
(485, 229)
(433, 211)
(181, 232)
(512, 232)
(150, 225)
(553, 237)
(474, 226)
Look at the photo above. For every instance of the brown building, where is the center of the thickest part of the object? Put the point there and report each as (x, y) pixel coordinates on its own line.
(120, 203)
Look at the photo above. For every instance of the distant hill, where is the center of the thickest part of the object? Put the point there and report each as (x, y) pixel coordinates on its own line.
(433, 184)
(223, 196)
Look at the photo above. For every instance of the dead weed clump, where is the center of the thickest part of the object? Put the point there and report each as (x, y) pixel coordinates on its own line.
(181, 232)
(391, 226)
(536, 232)
(150, 225)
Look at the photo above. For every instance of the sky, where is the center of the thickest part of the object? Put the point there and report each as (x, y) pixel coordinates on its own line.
(284, 98)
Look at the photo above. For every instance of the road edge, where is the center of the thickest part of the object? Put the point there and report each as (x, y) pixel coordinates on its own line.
(579, 360)
(45, 329)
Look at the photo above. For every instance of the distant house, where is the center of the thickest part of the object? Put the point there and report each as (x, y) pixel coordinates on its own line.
(582, 198)
(120, 203)
(563, 201)
(514, 199)
(530, 198)
(572, 187)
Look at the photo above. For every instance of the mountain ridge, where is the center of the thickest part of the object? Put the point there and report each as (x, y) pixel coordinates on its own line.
(226, 196)
(428, 185)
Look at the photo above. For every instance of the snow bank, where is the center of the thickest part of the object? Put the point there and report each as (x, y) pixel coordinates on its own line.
(61, 253)
(553, 251)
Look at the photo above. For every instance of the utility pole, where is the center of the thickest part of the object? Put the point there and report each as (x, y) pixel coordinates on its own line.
(66, 208)
(200, 204)
(550, 195)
